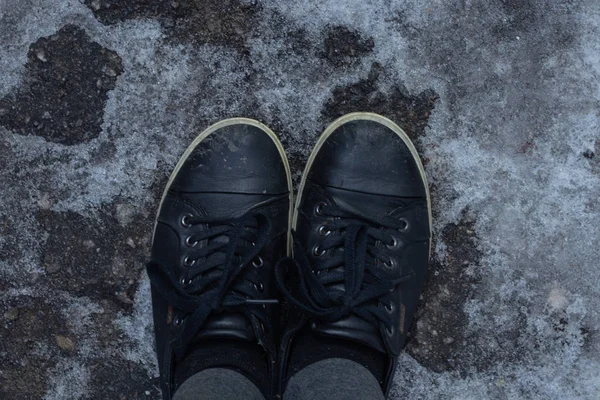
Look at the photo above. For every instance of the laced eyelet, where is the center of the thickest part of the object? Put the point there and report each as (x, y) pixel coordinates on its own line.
(390, 332)
(185, 281)
(189, 243)
(185, 220)
(319, 208)
(317, 252)
(258, 262)
(389, 308)
(323, 231)
(188, 262)
(394, 243)
(406, 225)
(390, 264)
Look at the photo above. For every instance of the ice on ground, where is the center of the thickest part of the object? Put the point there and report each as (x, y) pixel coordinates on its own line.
(513, 144)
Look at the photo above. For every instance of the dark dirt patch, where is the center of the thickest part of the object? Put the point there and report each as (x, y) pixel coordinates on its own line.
(9, 249)
(218, 22)
(65, 88)
(98, 258)
(31, 354)
(95, 257)
(297, 41)
(437, 338)
(108, 385)
(411, 112)
(31, 327)
(343, 46)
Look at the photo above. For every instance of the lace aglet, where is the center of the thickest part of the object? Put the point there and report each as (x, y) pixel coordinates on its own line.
(262, 301)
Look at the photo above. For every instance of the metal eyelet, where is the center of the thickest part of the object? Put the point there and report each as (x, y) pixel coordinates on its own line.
(389, 308)
(262, 327)
(390, 332)
(319, 208)
(185, 220)
(189, 243)
(323, 231)
(317, 252)
(183, 281)
(406, 225)
(176, 321)
(258, 262)
(188, 262)
(394, 243)
(390, 264)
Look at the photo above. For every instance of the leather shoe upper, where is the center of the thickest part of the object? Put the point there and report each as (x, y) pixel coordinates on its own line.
(222, 225)
(362, 236)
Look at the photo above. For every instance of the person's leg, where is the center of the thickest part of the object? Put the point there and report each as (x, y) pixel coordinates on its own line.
(333, 379)
(362, 236)
(218, 384)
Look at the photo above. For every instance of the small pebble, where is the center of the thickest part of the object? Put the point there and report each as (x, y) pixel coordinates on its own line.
(88, 243)
(122, 297)
(12, 314)
(52, 268)
(95, 5)
(41, 55)
(130, 243)
(588, 154)
(65, 343)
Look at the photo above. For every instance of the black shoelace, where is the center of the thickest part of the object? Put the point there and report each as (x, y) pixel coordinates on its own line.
(221, 274)
(354, 276)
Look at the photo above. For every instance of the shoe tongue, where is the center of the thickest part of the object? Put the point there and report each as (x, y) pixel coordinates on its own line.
(227, 326)
(351, 328)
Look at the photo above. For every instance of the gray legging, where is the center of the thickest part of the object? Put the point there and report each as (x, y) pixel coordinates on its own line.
(330, 379)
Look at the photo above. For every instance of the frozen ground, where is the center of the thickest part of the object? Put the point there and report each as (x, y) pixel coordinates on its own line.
(98, 98)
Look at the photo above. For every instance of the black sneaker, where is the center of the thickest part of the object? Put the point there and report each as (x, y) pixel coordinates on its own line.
(222, 223)
(361, 250)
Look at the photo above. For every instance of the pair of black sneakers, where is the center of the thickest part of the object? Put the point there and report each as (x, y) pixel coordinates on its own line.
(223, 293)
